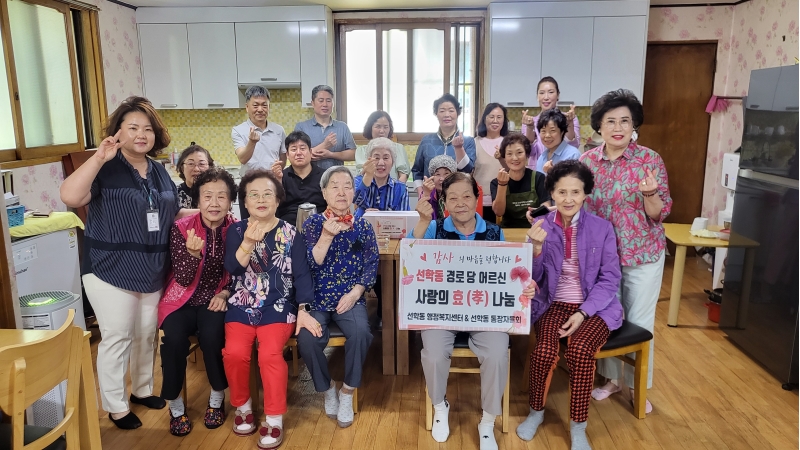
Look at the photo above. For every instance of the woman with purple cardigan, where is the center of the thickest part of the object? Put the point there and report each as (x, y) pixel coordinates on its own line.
(576, 266)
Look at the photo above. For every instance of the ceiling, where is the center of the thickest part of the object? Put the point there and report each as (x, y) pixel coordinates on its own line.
(344, 5)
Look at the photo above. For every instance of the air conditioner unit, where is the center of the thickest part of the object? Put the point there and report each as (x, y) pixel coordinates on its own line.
(48, 311)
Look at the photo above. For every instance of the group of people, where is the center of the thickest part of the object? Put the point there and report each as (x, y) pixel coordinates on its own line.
(173, 258)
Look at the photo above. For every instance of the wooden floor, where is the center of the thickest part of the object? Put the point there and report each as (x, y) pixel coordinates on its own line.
(707, 395)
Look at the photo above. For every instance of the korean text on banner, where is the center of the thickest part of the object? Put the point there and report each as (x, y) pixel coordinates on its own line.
(464, 285)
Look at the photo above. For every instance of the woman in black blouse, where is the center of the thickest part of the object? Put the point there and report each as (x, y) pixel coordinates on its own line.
(193, 161)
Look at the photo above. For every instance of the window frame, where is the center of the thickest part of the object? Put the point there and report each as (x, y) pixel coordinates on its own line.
(92, 72)
(342, 26)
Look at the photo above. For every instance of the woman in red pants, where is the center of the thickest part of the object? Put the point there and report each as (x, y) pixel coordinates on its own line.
(575, 263)
(266, 258)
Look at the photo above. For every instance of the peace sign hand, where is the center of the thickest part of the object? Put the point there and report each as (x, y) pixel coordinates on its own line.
(570, 114)
(649, 185)
(194, 245)
(107, 149)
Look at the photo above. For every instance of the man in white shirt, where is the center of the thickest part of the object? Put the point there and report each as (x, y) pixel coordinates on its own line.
(258, 143)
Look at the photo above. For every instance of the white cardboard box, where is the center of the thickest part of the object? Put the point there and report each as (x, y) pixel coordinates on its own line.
(396, 223)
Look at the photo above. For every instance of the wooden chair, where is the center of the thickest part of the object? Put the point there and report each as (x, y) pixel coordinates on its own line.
(628, 338)
(337, 339)
(461, 350)
(194, 350)
(29, 371)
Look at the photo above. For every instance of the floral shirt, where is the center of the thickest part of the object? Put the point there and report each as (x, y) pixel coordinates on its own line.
(616, 198)
(277, 279)
(352, 259)
(185, 196)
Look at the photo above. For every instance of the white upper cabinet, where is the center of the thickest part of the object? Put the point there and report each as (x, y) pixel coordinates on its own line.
(566, 52)
(268, 52)
(212, 56)
(516, 61)
(618, 50)
(314, 62)
(165, 65)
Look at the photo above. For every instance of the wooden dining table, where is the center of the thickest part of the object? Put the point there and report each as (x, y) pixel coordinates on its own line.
(389, 289)
(88, 418)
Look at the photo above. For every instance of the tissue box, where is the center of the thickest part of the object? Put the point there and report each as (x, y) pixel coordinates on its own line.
(396, 224)
(16, 215)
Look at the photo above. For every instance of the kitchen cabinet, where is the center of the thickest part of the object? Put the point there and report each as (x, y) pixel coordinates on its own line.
(268, 52)
(787, 100)
(212, 57)
(314, 62)
(566, 52)
(618, 49)
(516, 61)
(763, 83)
(165, 65)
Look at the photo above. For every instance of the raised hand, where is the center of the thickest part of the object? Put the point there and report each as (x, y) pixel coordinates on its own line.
(255, 232)
(254, 135)
(277, 169)
(649, 185)
(332, 227)
(530, 290)
(428, 186)
(369, 168)
(526, 119)
(497, 152)
(425, 210)
(502, 177)
(537, 235)
(107, 149)
(458, 141)
(570, 115)
(547, 166)
(194, 245)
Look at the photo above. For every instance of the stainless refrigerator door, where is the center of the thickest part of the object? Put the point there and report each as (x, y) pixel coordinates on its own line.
(764, 323)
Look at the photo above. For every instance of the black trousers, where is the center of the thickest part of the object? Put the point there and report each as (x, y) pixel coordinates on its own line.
(209, 327)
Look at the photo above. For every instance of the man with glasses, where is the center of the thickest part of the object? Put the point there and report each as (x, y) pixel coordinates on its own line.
(258, 143)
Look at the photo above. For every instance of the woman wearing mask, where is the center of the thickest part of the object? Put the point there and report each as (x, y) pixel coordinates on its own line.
(547, 93)
(132, 206)
(492, 128)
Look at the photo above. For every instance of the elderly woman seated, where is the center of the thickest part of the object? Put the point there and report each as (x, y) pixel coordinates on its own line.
(194, 301)
(376, 190)
(343, 256)
(460, 192)
(575, 263)
(267, 260)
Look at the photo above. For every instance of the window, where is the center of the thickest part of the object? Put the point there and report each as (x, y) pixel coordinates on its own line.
(52, 88)
(402, 68)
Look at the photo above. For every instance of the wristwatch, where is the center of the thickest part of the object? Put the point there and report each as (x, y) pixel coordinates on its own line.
(304, 307)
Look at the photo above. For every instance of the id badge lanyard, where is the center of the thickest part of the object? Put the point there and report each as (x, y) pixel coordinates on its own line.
(152, 211)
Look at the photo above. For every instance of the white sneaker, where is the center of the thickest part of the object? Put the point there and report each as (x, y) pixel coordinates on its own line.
(441, 428)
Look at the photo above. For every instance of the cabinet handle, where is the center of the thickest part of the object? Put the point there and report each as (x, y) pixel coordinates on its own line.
(269, 79)
(516, 103)
(308, 104)
(792, 108)
(216, 105)
(169, 105)
(754, 106)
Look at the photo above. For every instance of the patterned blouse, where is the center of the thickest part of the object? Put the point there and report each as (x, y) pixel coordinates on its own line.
(616, 198)
(185, 265)
(277, 279)
(352, 259)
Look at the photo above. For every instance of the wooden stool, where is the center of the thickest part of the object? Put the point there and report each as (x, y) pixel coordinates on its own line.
(461, 350)
(628, 338)
(336, 339)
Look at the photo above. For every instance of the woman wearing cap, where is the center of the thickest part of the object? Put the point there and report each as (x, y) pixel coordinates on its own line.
(518, 189)
(547, 93)
(440, 167)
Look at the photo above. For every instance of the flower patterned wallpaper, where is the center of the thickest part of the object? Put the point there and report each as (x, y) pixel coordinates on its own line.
(119, 41)
(38, 186)
(752, 35)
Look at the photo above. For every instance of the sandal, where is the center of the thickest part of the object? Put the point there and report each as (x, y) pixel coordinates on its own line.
(275, 432)
(245, 417)
(214, 418)
(179, 426)
(602, 394)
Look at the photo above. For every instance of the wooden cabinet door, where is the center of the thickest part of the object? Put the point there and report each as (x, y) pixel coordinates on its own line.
(268, 53)
(165, 65)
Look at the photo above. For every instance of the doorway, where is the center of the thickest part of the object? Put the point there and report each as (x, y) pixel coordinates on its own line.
(678, 82)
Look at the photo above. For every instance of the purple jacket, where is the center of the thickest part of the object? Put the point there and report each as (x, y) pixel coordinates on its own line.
(598, 263)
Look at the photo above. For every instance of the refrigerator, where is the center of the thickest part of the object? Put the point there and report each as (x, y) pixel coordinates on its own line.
(761, 317)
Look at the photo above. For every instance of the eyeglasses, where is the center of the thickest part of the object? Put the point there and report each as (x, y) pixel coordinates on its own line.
(611, 124)
(264, 196)
(191, 165)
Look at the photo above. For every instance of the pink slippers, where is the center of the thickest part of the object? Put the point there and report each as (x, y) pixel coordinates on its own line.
(606, 391)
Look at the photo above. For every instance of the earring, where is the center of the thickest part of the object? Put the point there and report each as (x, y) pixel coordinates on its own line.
(634, 135)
